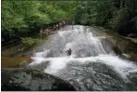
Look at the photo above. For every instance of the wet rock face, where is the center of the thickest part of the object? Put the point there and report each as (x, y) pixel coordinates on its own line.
(126, 45)
(40, 66)
(133, 35)
(95, 77)
(31, 80)
(109, 47)
(133, 78)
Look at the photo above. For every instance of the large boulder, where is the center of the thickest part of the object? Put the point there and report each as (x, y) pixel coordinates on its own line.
(14, 61)
(132, 35)
(126, 45)
(32, 80)
(109, 47)
(96, 76)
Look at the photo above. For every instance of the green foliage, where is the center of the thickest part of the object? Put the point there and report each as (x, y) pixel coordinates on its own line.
(114, 14)
(28, 41)
(94, 12)
(120, 18)
(32, 14)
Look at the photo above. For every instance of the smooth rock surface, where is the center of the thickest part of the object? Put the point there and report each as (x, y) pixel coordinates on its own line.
(32, 80)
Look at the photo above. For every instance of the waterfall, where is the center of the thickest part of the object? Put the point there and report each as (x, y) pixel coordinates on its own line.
(89, 65)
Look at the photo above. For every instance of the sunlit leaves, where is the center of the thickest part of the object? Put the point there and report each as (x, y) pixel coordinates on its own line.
(17, 14)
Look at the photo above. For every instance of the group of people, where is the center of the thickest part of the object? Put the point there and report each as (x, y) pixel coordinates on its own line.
(52, 29)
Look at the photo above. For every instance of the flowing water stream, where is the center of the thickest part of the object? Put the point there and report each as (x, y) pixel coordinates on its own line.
(88, 66)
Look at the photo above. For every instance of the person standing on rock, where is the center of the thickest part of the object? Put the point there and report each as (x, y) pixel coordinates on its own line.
(41, 33)
(69, 52)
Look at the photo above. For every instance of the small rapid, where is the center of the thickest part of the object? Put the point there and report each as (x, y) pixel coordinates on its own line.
(90, 65)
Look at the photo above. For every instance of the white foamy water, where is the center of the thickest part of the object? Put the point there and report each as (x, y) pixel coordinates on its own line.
(85, 48)
(123, 67)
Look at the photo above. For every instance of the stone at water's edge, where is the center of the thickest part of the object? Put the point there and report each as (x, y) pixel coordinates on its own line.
(132, 35)
(133, 56)
(109, 47)
(124, 44)
(14, 62)
(32, 80)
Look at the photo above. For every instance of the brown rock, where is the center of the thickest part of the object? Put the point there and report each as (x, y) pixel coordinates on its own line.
(16, 61)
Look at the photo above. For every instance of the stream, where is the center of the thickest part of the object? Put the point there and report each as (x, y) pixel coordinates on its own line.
(76, 54)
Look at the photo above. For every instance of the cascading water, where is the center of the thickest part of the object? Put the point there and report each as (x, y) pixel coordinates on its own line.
(89, 66)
